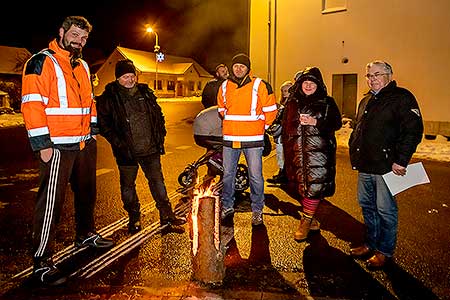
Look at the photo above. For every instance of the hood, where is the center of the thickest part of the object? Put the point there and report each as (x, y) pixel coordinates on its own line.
(312, 74)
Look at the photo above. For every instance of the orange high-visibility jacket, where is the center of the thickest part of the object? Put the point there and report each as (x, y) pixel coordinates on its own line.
(57, 100)
(247, 109)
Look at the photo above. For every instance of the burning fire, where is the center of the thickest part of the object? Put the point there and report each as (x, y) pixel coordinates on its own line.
(200, 193)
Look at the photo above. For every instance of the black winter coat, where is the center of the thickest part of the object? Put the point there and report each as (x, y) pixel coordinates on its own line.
(388, 129)
(310, 151)
(114, 126)
(209, 94)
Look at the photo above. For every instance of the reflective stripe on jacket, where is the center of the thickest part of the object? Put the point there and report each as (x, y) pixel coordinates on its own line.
(247, 111)
(57, 100)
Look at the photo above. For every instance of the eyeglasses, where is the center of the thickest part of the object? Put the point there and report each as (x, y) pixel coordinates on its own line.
(375, 76)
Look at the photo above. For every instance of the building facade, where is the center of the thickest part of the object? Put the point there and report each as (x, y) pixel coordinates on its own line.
(342, 36)
(12, 60)
(175, 76)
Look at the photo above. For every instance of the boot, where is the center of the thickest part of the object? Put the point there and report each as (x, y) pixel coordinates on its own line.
(134, 222)
(303, 229)
(279, 178)
(134, 227)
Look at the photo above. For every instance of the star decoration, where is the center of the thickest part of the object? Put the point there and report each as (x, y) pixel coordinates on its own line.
(159, 56)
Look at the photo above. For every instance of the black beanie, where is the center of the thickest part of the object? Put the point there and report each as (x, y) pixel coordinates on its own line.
(124, 66)
(220, 66)
(241, 58)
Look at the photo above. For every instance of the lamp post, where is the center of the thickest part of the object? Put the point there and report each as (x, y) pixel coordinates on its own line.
(156, 50)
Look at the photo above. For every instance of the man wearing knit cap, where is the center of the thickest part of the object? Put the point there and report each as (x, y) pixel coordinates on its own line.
(132, 121)
(124, 66)
(209, 94)
(246, 116)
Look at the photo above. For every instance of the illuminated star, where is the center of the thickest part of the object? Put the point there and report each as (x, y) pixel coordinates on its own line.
(159, 56)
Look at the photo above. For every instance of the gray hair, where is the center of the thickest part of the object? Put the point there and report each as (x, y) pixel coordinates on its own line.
(387, 67)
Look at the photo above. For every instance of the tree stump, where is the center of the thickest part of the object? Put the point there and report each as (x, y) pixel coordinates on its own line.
(207, 252)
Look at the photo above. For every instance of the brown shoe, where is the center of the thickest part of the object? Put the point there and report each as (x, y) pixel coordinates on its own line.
(360, 251)
(378, 260)
(303, 229)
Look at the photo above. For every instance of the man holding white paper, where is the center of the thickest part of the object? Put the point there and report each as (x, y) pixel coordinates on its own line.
(388, 129)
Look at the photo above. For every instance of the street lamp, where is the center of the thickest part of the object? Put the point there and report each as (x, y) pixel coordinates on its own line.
(156, 50)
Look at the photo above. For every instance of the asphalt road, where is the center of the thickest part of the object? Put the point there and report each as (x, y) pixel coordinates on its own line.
(258, 259)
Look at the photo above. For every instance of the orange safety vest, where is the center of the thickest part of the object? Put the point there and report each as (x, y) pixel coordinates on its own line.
(247, 111)
(57, 100)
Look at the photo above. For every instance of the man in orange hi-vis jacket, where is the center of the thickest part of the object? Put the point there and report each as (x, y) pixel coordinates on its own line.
(248, 107)
(60, 118)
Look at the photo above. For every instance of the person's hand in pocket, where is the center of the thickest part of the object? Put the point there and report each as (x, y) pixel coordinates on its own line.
(46, 154)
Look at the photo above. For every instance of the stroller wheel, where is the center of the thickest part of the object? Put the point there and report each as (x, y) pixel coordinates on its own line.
(187, 178)
(241, 181)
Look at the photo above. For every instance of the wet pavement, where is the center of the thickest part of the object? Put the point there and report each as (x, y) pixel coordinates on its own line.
(261, 262)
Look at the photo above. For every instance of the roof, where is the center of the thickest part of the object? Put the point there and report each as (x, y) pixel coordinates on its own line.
(145, 62)
(12, 59)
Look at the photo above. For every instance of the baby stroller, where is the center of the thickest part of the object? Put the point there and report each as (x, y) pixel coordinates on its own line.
(213, 159)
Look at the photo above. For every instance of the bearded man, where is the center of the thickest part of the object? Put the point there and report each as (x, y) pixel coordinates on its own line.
(61, 120)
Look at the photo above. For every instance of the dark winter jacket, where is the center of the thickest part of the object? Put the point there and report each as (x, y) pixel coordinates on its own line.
(310, 151)
(388, 129)
(209, 94)
(114, 125)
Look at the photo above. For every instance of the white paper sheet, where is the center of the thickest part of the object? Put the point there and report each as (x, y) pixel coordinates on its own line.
(415, 175)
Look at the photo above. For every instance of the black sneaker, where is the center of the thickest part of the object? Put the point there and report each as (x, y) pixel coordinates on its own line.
(174, 221)
(94, 240)
(47, 273)
(134, 227)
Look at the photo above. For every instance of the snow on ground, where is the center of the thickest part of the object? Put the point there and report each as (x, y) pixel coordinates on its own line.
(438, 149)
(10, 120)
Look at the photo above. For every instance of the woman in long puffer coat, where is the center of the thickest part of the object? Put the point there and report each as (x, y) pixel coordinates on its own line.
(310, 121)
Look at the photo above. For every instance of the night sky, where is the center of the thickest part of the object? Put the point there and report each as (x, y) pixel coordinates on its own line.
(209, 31)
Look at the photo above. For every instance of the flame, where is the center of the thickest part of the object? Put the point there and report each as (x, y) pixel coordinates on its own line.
(198, 194)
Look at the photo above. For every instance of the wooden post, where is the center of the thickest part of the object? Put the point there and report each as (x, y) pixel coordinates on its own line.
(207, 251)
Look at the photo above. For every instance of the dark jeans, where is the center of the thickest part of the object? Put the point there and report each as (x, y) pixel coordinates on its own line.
(380, 212)
(151, 166)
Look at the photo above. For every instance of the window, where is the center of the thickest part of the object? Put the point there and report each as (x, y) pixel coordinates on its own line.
(159, 85)
(171, 85)
(332, 6)
(191, 85)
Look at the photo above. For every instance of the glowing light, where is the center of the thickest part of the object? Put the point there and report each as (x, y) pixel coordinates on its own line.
(160, 56)
(198, 195)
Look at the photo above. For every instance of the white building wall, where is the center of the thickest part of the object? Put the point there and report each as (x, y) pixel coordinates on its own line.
(412, 35)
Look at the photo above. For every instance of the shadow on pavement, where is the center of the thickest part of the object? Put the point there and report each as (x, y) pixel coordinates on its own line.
(283, 207)
(74, 288)
(405, 285)
(255, 273)
(332, 273)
